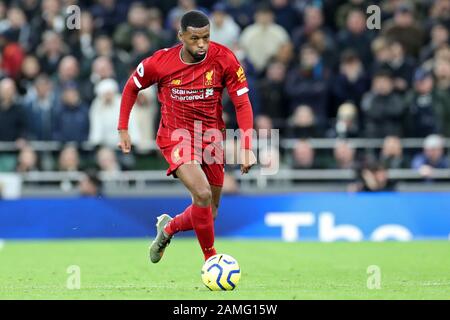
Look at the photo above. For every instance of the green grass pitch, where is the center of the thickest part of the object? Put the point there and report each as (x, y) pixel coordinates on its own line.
(120, 269)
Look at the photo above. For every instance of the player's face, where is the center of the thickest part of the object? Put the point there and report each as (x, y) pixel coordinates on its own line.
(196, 41)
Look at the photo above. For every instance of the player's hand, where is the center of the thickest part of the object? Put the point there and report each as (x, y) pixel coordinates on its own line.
(248, 160)
(125, 141)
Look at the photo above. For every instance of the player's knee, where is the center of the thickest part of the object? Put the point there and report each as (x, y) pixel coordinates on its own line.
(203, 196)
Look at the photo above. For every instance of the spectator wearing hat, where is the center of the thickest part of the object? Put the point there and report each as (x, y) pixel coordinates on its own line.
(71, 116)
(382, 108)
(425, 106)
(224, 29)
(104, 115)
(432, 157)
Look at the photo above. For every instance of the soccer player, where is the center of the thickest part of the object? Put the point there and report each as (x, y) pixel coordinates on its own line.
(191, 77)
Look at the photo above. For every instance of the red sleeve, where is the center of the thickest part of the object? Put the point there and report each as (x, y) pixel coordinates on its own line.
(143, 77)
(237, 87)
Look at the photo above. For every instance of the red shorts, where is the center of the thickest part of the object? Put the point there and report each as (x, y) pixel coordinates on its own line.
(176, 155)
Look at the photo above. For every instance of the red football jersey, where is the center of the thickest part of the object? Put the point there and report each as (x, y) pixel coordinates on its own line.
(191, 92)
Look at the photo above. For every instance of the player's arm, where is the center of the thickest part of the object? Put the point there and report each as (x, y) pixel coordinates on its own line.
(144, 76)
(237, 87)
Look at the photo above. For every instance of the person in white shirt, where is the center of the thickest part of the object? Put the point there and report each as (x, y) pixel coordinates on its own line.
(224, 29)
(104, 115)
(262, 40)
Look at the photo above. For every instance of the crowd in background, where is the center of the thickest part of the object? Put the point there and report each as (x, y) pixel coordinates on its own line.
(314, 68)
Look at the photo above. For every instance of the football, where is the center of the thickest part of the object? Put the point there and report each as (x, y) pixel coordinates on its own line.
(221, 273)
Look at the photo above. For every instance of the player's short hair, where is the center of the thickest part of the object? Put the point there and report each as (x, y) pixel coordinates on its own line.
(195, 19)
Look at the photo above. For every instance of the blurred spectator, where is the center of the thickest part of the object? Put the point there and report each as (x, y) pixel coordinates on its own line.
(137, 21)
(71, 116)
(241, 11)
(145, 113)
(274, 103)
(12, 114)
(352, 81)
(254, 38)
(175, 14)
(90, 185)
(425, 106)
(51, 51)
(381, 54)
(102, 68)
(347, 124)
(382, 108)
(313, 20)
(404, 29)
(442, 73)
(108, 14)
(107, 160)
(30, 70)
(263, 125)
(285, 14)
(27, 160)
(304, 155)
(374, 178)
(391, 155)
(344, 155)
(440, 13)
(224, 29)
(286, 54)
(439, 39)
(356, 36)
(69, 159)
(12, 54)
(86, 35)
(308, 84)
(142, 47)
(303, 123)
(401, 67)
(104, 47)
(344, 10)
(40, 103)
(433, 156)
(18, 27)
(104, 116)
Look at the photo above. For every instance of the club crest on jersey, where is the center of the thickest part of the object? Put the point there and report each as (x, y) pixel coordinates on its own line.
(209, 78)
(176, 82)
(240, 74)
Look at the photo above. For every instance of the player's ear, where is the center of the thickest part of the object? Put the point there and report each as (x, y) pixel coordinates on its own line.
(180, 35)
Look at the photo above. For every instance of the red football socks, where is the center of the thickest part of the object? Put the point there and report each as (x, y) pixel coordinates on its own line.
(203, 223)
(201, 220)
(181, 222)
